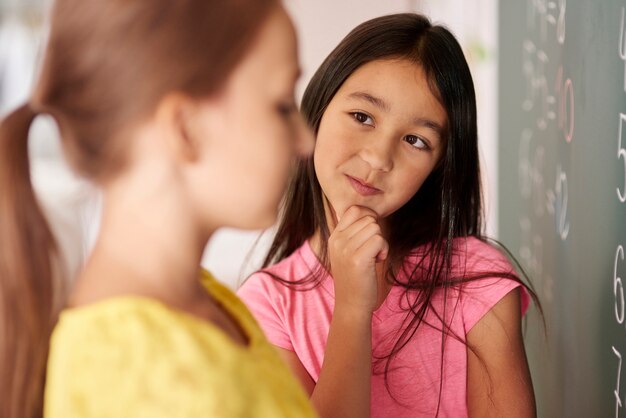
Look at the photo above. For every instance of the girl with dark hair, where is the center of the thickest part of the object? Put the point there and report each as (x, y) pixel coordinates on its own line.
(183, 113)
(385, 296)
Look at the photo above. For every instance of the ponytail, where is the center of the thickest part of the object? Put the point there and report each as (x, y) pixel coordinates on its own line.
(29, 289)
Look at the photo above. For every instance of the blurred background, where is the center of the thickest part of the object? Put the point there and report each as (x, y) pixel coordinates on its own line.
(73, 205)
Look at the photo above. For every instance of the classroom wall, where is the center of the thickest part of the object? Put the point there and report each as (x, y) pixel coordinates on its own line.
(73, 206)
(562, 104)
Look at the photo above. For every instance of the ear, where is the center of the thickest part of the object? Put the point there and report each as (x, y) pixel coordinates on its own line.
(177, 114)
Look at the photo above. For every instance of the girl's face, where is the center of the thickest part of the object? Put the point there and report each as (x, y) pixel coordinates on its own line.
(379, 138)
(254, 131)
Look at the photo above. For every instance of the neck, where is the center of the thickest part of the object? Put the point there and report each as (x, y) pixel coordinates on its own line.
(149, 244)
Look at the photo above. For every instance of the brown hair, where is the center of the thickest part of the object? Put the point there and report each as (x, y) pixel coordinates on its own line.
(107, 65)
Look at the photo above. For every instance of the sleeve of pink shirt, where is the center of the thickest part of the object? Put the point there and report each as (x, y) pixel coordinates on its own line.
(479, 296)
(260, 296)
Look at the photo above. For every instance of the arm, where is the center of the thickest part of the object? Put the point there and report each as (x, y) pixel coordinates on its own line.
(291, 359)
(343, 388)
(355, 247)
(498, 378)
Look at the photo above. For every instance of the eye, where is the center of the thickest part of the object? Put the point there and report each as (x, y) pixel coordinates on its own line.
(416, 142)
(362, 118)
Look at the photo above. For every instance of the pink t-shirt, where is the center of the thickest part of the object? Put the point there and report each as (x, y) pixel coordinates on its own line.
(299, 321)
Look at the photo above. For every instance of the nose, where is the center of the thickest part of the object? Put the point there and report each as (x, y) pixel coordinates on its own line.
(304, 138)
(378, 152)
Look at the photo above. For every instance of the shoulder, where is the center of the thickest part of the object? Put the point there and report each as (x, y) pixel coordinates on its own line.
(489, 277)
(135, 356)
(129, 332)
(271, 292)
(476, 255)
(124, 353)
(110, 321)
(470, 257)
(299, 270)
(483, 275)
(132, 356)
(281, 296)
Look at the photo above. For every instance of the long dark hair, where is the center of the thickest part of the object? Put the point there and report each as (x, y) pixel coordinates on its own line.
(449, 203)
(107, 65)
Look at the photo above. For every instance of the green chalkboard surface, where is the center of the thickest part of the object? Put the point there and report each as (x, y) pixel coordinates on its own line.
(562, 158)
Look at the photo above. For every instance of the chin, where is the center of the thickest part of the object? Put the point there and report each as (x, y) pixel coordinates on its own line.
(342, 208)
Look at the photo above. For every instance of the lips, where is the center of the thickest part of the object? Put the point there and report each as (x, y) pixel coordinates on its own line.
(363, 188)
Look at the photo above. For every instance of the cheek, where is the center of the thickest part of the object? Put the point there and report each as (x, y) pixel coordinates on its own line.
(321, 157)
(243, 173)
(333, 147)
(412, 179)
(330, 134)
(254, 157)
(411, 189)
(328, 165)
(270, 158)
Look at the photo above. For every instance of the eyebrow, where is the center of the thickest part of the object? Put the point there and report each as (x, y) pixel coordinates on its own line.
(376, 101)
(383, 105)
(429, 124)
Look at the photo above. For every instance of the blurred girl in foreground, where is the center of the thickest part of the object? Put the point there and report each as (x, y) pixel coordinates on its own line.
(183, 113)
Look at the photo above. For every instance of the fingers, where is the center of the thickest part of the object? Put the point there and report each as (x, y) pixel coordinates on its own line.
(369, 243)
(353, 214)
(355, 246)
(366, 222)
(358, 233)
(384, 251)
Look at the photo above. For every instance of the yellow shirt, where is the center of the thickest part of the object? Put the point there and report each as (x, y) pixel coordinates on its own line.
(136, 357)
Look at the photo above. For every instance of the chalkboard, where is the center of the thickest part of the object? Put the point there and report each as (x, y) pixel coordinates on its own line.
(562, 193)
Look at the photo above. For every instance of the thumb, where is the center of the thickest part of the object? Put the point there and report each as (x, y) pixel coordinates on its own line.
(383, 253)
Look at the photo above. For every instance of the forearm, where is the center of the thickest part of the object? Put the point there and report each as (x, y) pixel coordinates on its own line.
(344, 386)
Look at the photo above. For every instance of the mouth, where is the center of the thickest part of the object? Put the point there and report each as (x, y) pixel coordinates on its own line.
(363, 188)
